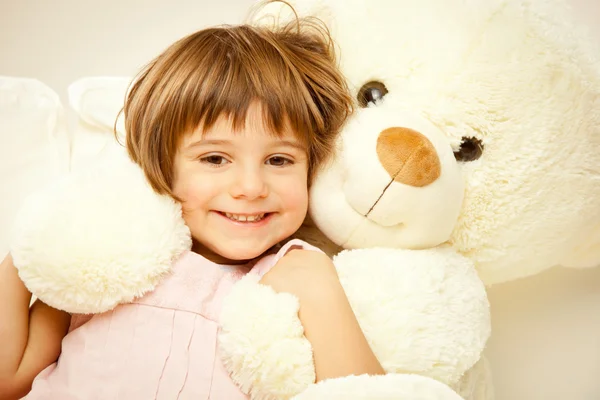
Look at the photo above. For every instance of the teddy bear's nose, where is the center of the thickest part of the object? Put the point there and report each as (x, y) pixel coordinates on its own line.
(408, 156)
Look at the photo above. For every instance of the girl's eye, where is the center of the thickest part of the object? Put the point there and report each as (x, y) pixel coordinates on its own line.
(278, 161)
(214, 160)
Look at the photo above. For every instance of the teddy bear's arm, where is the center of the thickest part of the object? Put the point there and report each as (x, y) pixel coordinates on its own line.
(262, 345)
(382, 387)
(86, 243)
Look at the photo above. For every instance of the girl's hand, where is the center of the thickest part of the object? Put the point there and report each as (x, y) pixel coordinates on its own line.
(339, 345)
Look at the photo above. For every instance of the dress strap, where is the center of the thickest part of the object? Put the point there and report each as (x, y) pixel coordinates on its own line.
(266, 263)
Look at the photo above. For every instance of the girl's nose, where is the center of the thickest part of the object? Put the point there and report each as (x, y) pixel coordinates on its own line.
(249, 183)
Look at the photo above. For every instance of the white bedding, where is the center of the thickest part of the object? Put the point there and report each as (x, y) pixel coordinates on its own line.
(34, 146)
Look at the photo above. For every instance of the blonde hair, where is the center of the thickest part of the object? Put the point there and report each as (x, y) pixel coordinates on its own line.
(291, 71)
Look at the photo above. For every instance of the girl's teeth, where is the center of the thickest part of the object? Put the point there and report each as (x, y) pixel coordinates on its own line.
(245, 218)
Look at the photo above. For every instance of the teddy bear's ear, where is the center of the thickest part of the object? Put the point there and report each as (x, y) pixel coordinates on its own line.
(97, 238)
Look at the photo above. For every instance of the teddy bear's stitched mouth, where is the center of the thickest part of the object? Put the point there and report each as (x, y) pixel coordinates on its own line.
(361, 225)
(378, 199)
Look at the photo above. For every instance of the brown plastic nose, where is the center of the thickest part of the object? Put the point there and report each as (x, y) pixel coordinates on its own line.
(408, 157)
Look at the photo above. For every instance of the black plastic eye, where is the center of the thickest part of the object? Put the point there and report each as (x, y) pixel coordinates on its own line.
(371, 92)
(470, 150)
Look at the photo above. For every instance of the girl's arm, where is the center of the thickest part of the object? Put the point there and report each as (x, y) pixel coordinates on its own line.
(30, 338)
(339, 345)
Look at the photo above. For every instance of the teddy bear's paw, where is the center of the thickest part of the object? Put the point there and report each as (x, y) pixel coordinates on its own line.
(97, 238)
(262, 341)
(381, 387)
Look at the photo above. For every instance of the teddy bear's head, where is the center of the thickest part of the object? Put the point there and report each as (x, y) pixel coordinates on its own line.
(477, 125)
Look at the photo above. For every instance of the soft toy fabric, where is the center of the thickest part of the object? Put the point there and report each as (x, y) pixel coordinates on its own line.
(424, 312)
(476, 149)
(97, 238)
(101, 237)
(479, 129)
(511, 87)
(34, 144)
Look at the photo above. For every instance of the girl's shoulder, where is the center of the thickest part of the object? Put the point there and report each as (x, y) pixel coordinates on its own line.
(266, 263)
(295, 244)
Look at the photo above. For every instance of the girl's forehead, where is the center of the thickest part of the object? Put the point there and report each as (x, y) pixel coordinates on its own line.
(256, 126)
(249, 137)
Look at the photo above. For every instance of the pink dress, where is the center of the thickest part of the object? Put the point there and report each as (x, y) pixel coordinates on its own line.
(162, 346)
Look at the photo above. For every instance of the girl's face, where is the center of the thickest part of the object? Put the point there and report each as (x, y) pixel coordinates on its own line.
(242, 192)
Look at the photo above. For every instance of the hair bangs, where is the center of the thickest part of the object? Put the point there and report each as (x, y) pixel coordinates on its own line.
(221, 72)
(260, 74)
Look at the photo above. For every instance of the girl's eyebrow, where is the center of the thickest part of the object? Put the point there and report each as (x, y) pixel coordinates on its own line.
(216, 142)
(203, 142)
(290, 143)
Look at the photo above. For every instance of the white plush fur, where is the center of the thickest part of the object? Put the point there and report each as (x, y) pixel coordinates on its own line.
(422, 311)
(477, 383)
(384, 387)
(259, 328)
(513, 73)
(516, 74)
(97, 238)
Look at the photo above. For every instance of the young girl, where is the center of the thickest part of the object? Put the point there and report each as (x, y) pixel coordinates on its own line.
(232, 122)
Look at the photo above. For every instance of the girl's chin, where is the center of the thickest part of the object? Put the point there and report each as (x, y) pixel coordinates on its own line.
(230, 257)
(243, 257)
(236, 251)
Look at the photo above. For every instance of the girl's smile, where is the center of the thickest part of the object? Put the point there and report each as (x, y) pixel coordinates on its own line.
(242, 191)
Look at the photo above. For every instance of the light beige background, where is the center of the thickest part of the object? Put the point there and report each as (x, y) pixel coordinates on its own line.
(546, 329)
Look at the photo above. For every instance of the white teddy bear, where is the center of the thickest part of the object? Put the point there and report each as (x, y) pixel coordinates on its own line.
(512, 87)
(479, 130)
(476, 149)
(425, 312)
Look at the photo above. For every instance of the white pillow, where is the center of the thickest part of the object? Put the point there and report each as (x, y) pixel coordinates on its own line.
(97, 101)
(34, 145)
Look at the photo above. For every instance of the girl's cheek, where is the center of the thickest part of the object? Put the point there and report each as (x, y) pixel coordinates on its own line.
(299, 195)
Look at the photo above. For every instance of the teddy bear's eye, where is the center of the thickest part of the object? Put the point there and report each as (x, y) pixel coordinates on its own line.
(470, 150)
(371, 92)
